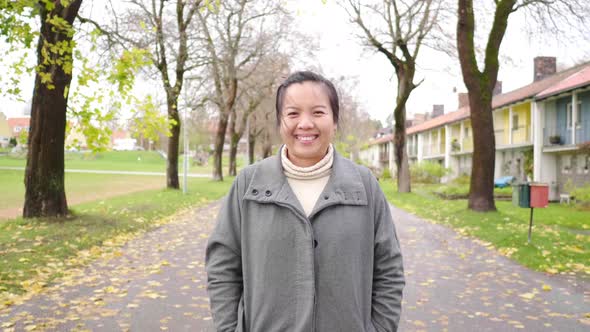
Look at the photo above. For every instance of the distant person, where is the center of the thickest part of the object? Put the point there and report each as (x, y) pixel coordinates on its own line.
(305, 240)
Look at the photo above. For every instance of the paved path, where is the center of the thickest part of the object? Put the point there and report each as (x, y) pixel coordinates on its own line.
(96, 171)
(453, 283)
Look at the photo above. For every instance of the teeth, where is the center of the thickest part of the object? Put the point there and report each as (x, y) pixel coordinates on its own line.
(306, 138)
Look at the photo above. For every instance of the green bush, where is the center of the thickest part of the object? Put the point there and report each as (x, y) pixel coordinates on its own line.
(582, 196)
(386, 173)
(428, 172)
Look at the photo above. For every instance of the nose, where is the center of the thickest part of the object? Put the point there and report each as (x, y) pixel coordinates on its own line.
(305, 122)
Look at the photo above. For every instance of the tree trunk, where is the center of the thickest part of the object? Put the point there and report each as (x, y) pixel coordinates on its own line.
(405, 76)
(233, 152)
(251, 147)
(218, 149)
(44, 175)
(233, 144)
(480, 86)
(481, 192)
(173, 142)
(266, 146)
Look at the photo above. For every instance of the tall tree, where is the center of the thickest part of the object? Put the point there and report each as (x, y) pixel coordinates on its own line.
(168, 30)
(397, 29)
(480, 83)
(44, 174)
(232, 41)
(255, 92)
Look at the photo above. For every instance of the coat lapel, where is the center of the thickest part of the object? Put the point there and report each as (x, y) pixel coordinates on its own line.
(269, 185)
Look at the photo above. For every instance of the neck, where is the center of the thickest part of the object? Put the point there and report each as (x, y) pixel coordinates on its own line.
(317, 170)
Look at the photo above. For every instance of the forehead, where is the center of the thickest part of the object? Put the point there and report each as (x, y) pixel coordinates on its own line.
(308, 92)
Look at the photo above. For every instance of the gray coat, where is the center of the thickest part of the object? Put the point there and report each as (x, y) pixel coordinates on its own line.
(272, 268)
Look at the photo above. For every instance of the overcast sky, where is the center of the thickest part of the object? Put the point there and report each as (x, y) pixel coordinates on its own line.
(341, 55)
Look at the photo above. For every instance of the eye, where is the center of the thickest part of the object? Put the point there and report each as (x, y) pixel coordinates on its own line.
(292, 114)
(319, 112)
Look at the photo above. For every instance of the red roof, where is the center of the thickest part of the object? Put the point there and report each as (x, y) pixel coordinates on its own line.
(531, 90)
(560, 82)
(21, 123)
(578, 79)
(382, 139)
(455, 116)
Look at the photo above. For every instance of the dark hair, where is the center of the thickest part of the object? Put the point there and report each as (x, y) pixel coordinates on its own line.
(307, 76)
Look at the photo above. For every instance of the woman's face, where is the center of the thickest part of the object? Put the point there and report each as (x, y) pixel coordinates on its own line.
(307, 123)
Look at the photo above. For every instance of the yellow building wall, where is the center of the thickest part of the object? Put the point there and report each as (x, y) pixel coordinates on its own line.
(467, 140)
(4, 128)
(522, 133)
(501, 126)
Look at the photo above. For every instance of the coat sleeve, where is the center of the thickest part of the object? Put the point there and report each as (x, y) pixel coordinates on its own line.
(223, 261)
(388, 272)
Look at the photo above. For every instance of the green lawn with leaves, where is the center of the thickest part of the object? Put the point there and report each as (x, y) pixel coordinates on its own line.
(560, 239)
(35, 252)
(139, 161)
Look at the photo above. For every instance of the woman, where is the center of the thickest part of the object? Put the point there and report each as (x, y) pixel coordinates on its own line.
(305, 240)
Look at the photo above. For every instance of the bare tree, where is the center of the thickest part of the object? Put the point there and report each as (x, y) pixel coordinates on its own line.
(397, 29)
(480, 83)
(169, 31)
(256, 91)
(232, 41)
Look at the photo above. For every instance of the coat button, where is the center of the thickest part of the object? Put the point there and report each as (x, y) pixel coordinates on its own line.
(254, 192)
(268, 193)
(315, 243)
(326, 197)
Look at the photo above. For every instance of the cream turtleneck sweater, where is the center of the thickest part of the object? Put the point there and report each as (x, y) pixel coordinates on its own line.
(308, 182)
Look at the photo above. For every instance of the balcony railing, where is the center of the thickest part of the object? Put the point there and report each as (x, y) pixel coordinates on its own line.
(433, 149)
(467, 144)
(562, 135)
(520, 135)
(500, 137)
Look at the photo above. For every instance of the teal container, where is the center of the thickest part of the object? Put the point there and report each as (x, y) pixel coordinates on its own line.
(515, 194)
(524, 195)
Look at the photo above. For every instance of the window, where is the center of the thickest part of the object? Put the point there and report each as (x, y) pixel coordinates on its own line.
(578, 114)
(566, 164)
(466, 131)
(17, 129)
(515, 122)
(583, 164)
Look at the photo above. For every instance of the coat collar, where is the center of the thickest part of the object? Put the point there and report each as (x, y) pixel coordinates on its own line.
(269, 185)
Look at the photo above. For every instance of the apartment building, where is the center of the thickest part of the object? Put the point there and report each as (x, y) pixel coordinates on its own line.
(538, 131)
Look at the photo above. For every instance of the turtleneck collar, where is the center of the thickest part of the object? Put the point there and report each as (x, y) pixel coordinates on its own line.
(321, 169)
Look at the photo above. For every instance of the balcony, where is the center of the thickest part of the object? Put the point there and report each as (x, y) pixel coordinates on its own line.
(554, 135)
(433, 150)
(412, 150)
(467, 144)
(500, 137)
(520, 135)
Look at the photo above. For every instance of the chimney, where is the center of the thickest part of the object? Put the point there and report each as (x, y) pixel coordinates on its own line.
(463, 99)
(438, 110)
(497, 88)
(544, 66)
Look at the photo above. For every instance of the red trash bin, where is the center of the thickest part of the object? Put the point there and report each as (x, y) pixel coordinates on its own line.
(539, 195)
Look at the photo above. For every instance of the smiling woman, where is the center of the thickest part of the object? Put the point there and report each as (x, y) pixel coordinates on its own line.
(305, 240)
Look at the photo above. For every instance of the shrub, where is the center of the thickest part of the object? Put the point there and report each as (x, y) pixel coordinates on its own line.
(386, 173)
(582, 195)
(428, 172)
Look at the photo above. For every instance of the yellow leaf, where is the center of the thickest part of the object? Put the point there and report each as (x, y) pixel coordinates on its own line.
(528, 296)
(546, 288)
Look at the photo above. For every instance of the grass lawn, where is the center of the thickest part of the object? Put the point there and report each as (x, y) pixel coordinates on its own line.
(79, 188)
(141, 161)
(34, 252)
(561, 234)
